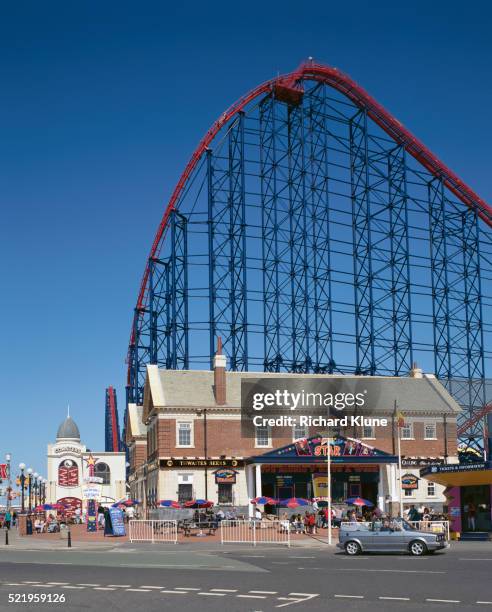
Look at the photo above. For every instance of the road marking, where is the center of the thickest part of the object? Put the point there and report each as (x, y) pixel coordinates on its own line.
(396, 598)
(445, 600)
(18, 584)
(214, 594)
(264, 592)
(252, 596)
(225, 590)
(146, 586)
(252, 556)
(350, 596)
(186, 589)
(87, 584)
(70, 586)
(280, 563)
(31, 581)
(292, 557)
(138, 590)
(104, 589)
(122, 586)
(58, 583)
(305, 594)
(178, 592)
(395, 571)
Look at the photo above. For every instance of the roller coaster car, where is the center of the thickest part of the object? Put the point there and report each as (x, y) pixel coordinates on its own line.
(288, 94)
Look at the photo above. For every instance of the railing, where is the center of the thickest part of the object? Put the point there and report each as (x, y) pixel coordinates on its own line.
(430, 526)
(254, 532)
(153, 531)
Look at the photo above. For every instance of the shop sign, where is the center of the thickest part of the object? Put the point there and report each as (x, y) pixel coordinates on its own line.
(91, 492)
(225, 476)
(420, 462)
(93, 479)
(208, 463)
(409, 481)
(284, 480)
(320, 485)
(339, 447)
(457, 467)
(67, 450)
(3, 471)
(117, 522)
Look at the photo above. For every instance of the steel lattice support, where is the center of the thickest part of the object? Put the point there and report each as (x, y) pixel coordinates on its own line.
(361, 229)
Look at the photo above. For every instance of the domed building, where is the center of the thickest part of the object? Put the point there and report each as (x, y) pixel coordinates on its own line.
(76, 474)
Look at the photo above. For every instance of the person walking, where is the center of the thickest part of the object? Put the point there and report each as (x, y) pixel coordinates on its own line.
(472, 514)
(8, 519)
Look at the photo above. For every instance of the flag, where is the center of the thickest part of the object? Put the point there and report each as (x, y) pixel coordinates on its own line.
(400, 419)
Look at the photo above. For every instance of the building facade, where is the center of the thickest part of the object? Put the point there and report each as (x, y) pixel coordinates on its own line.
(76, 474)
(196, 447)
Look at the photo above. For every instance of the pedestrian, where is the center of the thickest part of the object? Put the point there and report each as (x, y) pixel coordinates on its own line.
(8, 519)
(413, 514)
(472, 513)
(108, 526)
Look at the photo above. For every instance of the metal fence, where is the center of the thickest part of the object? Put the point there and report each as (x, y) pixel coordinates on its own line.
(427, 526)
(153, 531)
(254, 532)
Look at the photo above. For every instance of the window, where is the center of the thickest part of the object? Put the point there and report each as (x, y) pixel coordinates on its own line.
(262, 436)
(68, 473)
(430, 431)
(185, 492)
(184, 434)
(407, 431)
(102, 470)
(408, 492)
(368, 432)
(299, 432)
(431, 489)
(225, 493)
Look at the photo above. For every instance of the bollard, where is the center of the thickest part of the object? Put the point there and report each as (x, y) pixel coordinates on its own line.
(69, 539)
(6, 537)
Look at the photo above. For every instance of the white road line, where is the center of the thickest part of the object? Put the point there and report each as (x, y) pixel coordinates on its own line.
(31, 581)
(444, 600)
(58, 583)
(18, 584)
(350, 596)
(396, 598)
(264, 592)
(147, 586)
(138, 590)
(178, 592)
(122, 586)
(214, 594)
(87, 584)
(71, 586)
(186, 589)
(305, 594)
(292, 557)
(253, 556)
(225, 590)
(104, 589)
(252, 596)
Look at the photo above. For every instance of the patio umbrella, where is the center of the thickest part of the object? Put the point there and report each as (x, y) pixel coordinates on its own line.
(294, 502)
(262, 501)
(198, 503)
(169, 503)
(358, 501)
(57, 506)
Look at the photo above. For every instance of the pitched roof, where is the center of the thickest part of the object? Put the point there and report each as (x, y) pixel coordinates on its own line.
(136, 425)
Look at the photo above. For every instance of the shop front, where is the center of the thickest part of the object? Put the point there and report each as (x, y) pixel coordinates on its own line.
(301, 470)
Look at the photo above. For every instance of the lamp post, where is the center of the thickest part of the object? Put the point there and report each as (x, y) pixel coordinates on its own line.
(29, 475)
(199, 413)
(43, 491)
(22, 467)
(8, 458)
(35, 486)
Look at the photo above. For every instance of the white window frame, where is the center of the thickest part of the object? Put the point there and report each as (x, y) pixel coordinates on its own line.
(433, 485)
(192, 438)
(373, 432)
(411, 436)
(305, 435)
(269, 442)
(408, 493)
(434, 424)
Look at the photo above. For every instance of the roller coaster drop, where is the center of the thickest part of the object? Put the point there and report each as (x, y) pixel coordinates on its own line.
(314, 233)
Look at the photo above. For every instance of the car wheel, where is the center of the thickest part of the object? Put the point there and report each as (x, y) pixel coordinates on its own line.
(417, 548)
(352, 548)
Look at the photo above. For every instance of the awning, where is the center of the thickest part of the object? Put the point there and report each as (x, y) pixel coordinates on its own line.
(459, 475)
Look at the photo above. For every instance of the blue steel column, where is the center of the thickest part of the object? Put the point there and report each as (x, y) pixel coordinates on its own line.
(361, 229)
(270, 249)
(179, 292)
(298, 237)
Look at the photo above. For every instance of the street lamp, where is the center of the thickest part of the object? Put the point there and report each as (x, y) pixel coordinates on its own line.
(8, 458)
(29, 475)
(35, 485)
(22, 467)
(199, 413)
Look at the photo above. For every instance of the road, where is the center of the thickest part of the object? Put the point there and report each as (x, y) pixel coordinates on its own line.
(208, 577)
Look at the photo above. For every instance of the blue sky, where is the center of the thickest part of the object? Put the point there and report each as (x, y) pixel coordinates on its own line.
(101, 106)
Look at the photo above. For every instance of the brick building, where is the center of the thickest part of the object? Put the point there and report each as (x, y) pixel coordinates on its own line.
(186, 442)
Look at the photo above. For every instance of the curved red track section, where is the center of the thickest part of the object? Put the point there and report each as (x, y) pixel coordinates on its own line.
(359, 96)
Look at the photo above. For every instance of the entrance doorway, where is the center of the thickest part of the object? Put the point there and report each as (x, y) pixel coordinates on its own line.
(476, 500)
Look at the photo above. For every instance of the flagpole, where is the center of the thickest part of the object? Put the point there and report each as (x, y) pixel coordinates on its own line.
(400, 491)
(328, 462)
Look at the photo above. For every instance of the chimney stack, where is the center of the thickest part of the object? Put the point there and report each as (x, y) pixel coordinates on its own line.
(220, 375)
(416, 372)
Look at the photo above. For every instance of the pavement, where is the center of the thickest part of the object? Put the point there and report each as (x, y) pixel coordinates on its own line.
(207, 575)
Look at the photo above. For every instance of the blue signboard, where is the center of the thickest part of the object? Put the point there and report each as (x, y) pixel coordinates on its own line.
(91, 515)
(117, 521)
